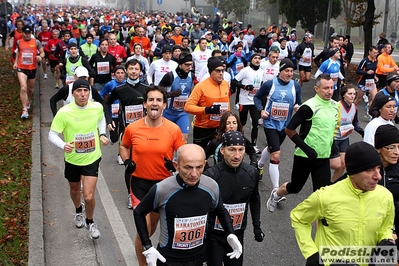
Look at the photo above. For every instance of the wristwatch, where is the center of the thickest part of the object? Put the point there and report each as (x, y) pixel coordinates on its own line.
(147, 247)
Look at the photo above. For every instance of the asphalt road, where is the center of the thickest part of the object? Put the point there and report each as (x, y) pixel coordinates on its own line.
(64, 244)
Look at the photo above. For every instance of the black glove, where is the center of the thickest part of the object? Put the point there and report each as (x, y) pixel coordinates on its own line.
(130, 166)
(175, 93)
(259, 235)
(169, 165)
(248, 87)
(314, 260)
(310, 152)
(214, 109)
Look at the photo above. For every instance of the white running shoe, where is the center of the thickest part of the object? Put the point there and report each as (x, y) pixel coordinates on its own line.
(365, 98)
(45, 76)
(79, 220)
(236, 106)
(271, 202)
(119, 159)
(94, 233)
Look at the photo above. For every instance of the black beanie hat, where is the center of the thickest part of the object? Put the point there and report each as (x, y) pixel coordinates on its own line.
(392, 77)
(184, 58)
(380, 100)
(72, 44)
(166, 49)
(386, 135)
(333, 52)
(214, 62)
(80, 83)
(255, 54)
(286, 63)
(361, 156)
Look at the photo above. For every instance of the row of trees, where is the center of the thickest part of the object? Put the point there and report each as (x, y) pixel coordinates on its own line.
(309, 13)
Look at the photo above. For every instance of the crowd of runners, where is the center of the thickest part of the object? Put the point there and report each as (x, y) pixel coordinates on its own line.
(146, 80)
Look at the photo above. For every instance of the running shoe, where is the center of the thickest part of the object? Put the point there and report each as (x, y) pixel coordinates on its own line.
(57, 86)
(119, 159)
(45, 76)
(94, 233)
(79, 220)
(236, 106)
(260, 169)
(365, 98)
(271, 202)
(25, 113)
(129, 202)
(257, 151)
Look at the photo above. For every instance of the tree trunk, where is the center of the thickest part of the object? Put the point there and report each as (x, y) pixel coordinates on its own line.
(274, 13)
(368, 26)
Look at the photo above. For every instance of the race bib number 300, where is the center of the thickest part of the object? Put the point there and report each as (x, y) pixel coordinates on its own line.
(85, 143)
(189, 232)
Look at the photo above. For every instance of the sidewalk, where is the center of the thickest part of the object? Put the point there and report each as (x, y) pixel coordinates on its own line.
(53, 237)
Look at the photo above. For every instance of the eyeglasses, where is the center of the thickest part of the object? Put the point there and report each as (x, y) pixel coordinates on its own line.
(219, 70)
(391, 148)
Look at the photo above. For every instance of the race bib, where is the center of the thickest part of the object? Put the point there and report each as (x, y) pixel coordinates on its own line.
(239, 66)
(236, 212)
(223, 109)
(115, 110)
(27, 58)
(369, 84)
(103, 68)
(346, 130)
(279, 111)
(133, 113)
(306, 59)
(189, 232)
(334, 77)
(85, 143)
(179, 103)
(69, 79)
(262, 52)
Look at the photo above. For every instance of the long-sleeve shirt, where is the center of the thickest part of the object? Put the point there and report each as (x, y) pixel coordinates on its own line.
(183, 214)
(205, 94)
(385, 64)
(346, 216)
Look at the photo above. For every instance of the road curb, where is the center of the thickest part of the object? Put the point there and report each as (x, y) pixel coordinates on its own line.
(36, 230)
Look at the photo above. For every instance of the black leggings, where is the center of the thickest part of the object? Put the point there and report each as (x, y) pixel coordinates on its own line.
(217, 248)
(318, 168)
(201, 136)
(254, 113)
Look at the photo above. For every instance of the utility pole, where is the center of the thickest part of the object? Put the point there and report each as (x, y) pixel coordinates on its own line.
(384, 29)
(327, 29)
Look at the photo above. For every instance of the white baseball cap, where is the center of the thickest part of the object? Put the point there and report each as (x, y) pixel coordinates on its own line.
(81, 71)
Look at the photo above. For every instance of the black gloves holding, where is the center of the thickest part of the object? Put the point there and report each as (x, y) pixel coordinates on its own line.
(214, 109)
(259, 235)
(248, 87)
(169, 165)
(130, 166)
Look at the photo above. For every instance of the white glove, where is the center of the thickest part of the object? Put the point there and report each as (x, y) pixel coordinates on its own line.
(235, 245)
(152, 255)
